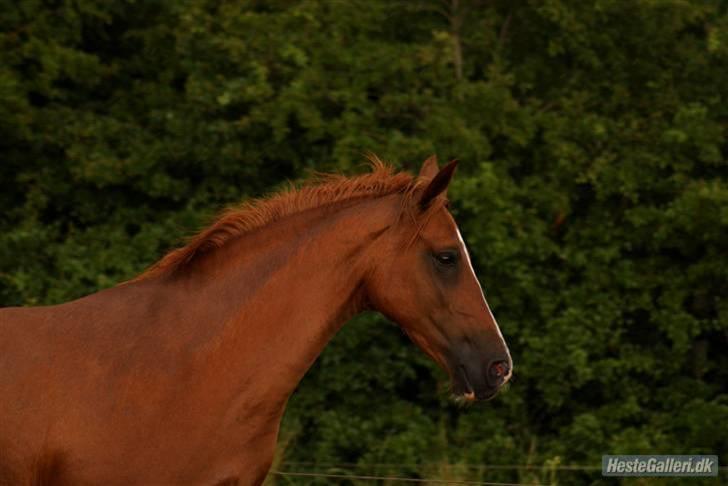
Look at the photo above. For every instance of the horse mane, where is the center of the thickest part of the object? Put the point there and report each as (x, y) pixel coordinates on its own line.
(322, 190)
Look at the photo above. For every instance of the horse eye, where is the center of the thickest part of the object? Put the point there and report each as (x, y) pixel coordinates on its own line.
(447, 258)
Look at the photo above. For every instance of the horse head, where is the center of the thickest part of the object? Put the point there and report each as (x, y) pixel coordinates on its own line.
(423, 280)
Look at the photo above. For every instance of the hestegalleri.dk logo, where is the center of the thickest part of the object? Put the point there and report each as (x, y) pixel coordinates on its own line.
(659, 465)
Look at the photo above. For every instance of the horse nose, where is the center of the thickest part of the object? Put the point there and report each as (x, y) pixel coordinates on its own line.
(498, 373)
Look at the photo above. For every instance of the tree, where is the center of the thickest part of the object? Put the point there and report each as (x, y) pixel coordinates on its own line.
(591, 191)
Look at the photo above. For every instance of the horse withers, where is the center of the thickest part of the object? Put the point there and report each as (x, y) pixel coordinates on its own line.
(181, 376)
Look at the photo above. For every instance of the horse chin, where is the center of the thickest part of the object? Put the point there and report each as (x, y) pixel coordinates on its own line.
(465, 398)
(462, 389)
(471, 397)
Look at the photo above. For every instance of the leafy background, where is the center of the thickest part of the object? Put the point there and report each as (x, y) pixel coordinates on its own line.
(592, 191)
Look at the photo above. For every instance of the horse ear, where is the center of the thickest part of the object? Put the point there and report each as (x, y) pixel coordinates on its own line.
(429, 167)
(438, 184)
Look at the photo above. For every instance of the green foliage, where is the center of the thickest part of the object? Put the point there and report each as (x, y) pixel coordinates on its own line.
(592, 191)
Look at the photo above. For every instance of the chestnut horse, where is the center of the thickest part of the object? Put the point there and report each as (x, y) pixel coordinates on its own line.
(181, 376)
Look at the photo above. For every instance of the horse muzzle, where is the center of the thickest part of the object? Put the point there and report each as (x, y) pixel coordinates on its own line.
(479, 376)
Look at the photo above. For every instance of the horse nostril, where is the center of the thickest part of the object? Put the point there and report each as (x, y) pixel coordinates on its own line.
(498, 371)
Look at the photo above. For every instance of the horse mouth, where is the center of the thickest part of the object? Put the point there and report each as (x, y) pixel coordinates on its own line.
(468, 392)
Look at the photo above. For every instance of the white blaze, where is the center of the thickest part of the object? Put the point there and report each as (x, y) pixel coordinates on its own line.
(472, 271)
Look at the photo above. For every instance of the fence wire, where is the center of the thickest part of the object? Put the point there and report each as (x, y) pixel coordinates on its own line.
(397, 479)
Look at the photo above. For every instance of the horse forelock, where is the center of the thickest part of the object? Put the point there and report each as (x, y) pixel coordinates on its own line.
(322, 190)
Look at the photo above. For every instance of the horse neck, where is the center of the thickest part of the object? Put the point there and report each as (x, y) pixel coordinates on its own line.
(271, 301)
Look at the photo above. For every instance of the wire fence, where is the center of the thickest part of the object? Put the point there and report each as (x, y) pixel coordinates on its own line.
(400, 466)
(396, 479)
(366, 476)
